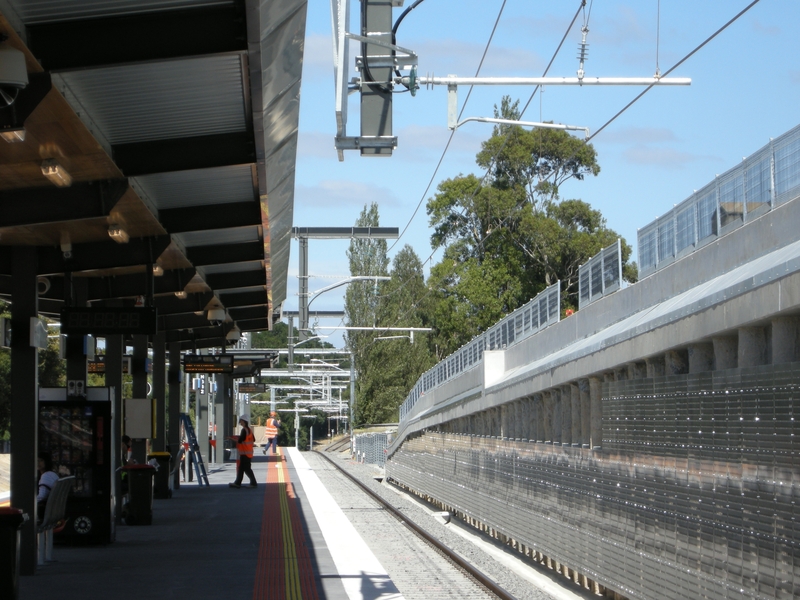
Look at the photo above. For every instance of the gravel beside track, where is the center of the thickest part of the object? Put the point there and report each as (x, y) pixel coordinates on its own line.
(417, 569)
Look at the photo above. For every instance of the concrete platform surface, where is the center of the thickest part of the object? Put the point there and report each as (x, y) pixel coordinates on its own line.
(203, 543)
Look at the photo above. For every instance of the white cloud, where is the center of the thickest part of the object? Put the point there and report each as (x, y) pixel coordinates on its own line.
(622, 28)
(767, 30)
(342, 194)
(423, 143)
(662, 157)
(459, 57)
(316, 144)
(638, 135)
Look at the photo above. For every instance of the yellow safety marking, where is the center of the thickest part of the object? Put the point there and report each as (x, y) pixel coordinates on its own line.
(292, 569)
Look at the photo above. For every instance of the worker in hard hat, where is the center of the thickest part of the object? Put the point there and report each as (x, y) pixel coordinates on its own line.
(271, 432)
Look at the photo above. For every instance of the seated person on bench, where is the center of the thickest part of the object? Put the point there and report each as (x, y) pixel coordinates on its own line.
(47, 479)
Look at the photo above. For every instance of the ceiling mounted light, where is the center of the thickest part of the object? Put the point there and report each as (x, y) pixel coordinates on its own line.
(13, 136)
(56, 173)
(158, 271)
(118, 234)
(216, 315)
(182, 295)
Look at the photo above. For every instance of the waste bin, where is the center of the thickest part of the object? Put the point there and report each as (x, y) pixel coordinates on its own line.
(139, 510)
(10, 521)
(162, 487)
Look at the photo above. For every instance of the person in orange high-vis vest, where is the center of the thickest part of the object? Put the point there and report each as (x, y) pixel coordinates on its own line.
(245, 447)
(271, 432)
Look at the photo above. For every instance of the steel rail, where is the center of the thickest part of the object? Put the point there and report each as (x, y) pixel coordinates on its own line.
(452, 556)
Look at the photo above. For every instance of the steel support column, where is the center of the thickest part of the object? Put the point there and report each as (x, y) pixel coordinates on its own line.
(174, 410)
(115, 349)
(24, 401)
(160, 391)
(139, 368)
(303, 295)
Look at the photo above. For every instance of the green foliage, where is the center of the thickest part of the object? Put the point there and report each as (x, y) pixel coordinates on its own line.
(5, 391)
(538, 161)
(386, 369)
(367, 257)
(509, 236)
(51, 373)
(392, 366)
(52, 369)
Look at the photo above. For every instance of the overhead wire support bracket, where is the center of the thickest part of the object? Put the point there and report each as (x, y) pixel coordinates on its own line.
(521, 124)
(406, 60)
(452, 82)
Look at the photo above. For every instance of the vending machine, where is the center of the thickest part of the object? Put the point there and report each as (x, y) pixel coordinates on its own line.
(78, 433)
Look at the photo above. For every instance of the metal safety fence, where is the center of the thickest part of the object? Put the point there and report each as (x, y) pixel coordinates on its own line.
(371, 447)
(601, 275)
(544, 310)
(694, 493)
(764, 180)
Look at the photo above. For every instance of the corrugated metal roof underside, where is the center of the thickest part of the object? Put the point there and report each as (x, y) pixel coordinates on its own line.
(43, 11)
(216, 237)
(202, 96)
(239, 267)
(276, 44)
(166, 100)
(200, 187)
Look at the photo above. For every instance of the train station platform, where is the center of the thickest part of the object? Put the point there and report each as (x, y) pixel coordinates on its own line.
(286, 538)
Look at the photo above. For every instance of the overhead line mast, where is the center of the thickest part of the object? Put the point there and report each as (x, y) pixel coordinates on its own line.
(381, 57)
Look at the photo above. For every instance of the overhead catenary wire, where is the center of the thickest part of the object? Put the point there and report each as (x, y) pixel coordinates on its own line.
(488, 170)
(675, 66)
(452, 133)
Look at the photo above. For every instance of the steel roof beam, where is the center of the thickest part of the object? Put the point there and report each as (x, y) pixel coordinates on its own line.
(217, 216)
(32, 206)
(201, 256)
(239, 279)
(248, 313)
(238, 299)
(158, 35)
(184, 154)
(92, 256)
(184, 321)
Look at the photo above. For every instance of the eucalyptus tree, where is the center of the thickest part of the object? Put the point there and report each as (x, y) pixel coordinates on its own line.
(509, 235)
(394, 360)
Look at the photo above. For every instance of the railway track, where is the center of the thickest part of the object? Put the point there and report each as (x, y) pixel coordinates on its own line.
(470, 570)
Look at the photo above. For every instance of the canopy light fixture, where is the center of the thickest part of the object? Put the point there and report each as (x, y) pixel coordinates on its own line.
(182, 295)
(216, 315)
(13, 136)
(118, 234)
(56, 173)
(158, 271)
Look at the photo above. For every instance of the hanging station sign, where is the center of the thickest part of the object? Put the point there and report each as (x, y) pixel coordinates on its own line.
(98, 364)
(101, 321)
(252, 388)
(207, 363)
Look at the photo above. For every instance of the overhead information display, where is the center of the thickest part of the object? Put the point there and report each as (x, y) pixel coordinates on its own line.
(98, 364)
(252, 388)
(140, 320)
(201, 363)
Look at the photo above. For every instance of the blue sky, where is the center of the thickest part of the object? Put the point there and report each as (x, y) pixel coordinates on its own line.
(744, 91)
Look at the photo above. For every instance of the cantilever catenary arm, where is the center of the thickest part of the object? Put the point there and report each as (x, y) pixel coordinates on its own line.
(522, 124)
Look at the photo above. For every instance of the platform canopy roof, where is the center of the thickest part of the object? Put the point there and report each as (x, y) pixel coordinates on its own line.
(176, 121)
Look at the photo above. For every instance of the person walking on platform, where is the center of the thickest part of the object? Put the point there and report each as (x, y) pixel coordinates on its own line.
(271, 432)
(244, 445)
